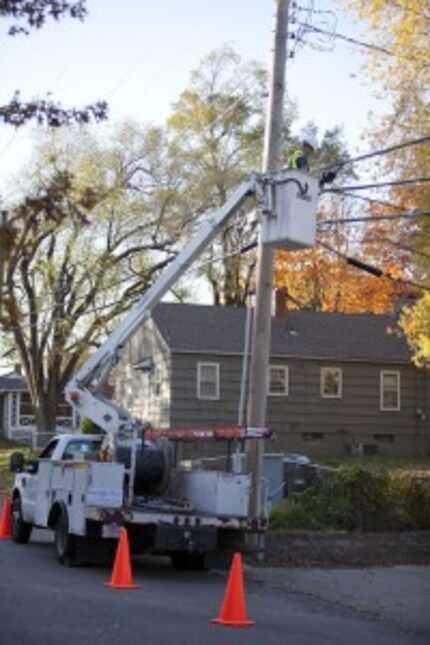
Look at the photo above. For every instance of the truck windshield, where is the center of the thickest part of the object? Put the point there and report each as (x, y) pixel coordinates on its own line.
(79, 449)
(47, 452)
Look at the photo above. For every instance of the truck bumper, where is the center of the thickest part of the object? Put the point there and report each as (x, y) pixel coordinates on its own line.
(169, 538)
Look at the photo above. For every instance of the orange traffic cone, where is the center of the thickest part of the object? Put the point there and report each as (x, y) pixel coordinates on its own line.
(122, 577)
(233, 610)
(6, 520)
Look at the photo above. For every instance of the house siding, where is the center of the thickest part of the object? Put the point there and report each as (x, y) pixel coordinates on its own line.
(355, 418)
(2, 416)
(145, 396)
(18, 427)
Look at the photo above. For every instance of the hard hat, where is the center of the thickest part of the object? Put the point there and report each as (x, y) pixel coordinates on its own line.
(310, 140)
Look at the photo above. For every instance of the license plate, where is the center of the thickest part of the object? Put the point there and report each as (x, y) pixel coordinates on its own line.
(110, 530)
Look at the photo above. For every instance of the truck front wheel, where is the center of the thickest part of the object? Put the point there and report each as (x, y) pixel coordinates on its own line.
(21, 531)
(65, 543)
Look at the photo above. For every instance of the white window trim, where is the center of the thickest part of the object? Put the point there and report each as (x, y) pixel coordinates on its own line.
(199, 394)
(381, 390)
(323, 370)
(287, 380)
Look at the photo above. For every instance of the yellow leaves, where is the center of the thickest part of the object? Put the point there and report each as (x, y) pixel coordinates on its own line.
(401, 27)
(87, 197)
(415, 322)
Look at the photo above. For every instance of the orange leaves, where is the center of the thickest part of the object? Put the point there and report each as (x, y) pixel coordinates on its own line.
(325, 283)
(322, 281)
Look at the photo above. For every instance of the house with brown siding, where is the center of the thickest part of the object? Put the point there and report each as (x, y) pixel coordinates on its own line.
(337, 383)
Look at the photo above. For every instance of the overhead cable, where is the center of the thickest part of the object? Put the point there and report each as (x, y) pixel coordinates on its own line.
(376, 153)
(375, 218)
(371, 269)
(395, 244)
(385, 184)
(348, 39)
(373, 200)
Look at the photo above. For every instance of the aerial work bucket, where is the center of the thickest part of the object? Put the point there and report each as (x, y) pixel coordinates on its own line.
(290, 218)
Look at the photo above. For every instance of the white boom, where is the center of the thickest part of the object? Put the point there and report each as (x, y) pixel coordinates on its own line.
(288, 200)
(81, 390)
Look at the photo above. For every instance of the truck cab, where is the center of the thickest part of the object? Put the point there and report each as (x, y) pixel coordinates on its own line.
(26, 491)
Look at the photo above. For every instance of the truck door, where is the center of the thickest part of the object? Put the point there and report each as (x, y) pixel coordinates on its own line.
(30, 482)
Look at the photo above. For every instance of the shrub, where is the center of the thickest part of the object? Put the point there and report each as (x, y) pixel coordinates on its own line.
(413, 494)
(359, 499)
(89, 427)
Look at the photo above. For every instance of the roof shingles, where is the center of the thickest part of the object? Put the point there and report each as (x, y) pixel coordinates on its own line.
(12, 382)
(302, 334)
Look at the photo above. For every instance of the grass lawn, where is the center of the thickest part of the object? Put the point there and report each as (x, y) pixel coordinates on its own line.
(6, 449)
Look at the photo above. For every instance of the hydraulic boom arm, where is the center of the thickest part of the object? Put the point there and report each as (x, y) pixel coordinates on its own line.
(81, 391)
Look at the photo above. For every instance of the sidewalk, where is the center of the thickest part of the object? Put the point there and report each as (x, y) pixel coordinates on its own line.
(400, 594)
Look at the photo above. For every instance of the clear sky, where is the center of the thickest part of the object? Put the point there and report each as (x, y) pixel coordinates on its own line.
(138, 55)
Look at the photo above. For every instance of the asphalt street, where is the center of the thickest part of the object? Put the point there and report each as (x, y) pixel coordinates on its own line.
(43, 603)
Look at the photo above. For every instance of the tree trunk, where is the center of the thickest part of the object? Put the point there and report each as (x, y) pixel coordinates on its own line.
(46, 414)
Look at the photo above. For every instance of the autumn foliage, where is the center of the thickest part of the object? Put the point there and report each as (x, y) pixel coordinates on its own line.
(322, 280)
(319, 282)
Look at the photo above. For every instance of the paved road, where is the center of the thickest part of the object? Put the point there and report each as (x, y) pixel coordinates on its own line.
(399, 595)
(42, 603)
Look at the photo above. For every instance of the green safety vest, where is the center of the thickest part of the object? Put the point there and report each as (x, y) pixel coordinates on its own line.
(293, 158)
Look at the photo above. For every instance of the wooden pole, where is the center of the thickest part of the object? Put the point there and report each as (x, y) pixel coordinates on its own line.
(3, 253)
(273, 145)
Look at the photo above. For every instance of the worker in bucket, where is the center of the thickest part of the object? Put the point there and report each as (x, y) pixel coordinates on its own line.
(299, 158)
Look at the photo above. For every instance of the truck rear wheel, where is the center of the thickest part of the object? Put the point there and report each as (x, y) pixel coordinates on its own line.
(184, 561)
(65, 543)
(21, 531)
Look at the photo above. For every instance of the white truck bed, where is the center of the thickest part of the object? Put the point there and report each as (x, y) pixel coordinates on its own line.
(94, 491)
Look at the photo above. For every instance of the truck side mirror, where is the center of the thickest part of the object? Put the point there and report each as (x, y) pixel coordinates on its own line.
(16, 462)
(32, 467)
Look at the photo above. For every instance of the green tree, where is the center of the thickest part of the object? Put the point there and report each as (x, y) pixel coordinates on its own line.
(96, 225)
(216, 133)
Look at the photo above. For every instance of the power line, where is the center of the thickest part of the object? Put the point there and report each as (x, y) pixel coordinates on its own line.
(386, 184)
(376, 153)
(348, 39)
(372, 200)
(398, 245)
(371, 269)
(375, 218)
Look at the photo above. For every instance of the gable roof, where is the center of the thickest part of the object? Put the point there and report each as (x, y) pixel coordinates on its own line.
(12, 382)
(301, 334)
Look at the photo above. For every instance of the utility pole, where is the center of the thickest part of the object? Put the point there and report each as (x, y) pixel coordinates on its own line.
(3, 252)
(263, 305)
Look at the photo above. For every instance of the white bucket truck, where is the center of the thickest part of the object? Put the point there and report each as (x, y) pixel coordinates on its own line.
(85, 487)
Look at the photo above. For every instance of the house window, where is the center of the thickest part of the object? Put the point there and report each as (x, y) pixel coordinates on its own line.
(208, 381)
(27, 415)
(278, 380)
(26, 410)
(331, 382)
(312, 436)
(390, 390)
(156, 382)
(384, 438)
